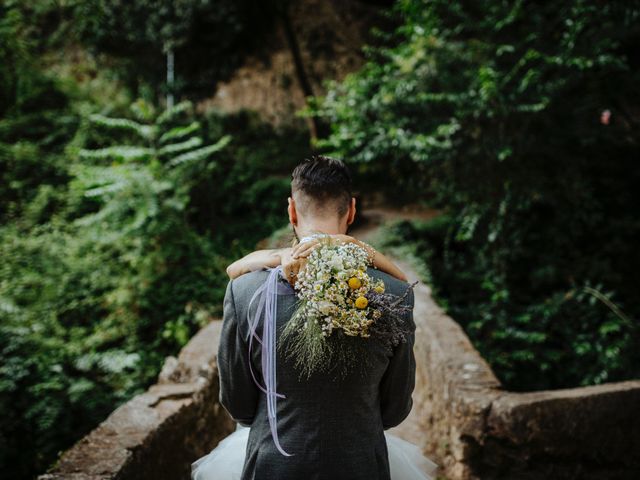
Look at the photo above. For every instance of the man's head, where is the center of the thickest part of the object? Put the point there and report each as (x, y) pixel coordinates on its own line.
(321, 195)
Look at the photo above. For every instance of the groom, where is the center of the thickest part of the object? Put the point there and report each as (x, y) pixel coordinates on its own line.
(332, 426)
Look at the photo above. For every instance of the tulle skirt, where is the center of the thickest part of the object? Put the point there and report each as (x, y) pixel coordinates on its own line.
(225, 462)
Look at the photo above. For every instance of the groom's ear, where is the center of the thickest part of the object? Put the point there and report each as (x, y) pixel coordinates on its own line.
(291, 209)
(351, 214)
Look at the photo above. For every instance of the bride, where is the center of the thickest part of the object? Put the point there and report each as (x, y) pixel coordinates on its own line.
(225, 462)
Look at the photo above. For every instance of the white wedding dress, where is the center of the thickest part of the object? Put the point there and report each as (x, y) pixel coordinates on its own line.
(225, 462)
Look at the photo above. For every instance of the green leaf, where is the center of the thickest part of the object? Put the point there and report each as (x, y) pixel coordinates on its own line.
(179, 132)
(201, 153)
(180, 147)
(146, 132)
(118, 153)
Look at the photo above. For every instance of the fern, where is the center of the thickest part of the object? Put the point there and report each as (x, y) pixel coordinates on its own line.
(120, 153)
(144, 131)
(202, 153)
(145, 178)
(179, 132)
(181, 147)
(161, 138)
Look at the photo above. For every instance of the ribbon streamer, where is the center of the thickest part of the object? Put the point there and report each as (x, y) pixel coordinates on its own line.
(268, 309)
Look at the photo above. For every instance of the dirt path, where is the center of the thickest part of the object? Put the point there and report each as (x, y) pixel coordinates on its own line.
(372, 218)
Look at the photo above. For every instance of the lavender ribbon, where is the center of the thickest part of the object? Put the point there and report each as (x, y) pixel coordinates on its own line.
(268, 308)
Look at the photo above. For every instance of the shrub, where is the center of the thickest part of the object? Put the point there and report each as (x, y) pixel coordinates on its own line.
(126, 264)
(517, 120)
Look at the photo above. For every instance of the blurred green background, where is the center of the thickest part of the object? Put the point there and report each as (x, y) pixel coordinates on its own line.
(518, 121)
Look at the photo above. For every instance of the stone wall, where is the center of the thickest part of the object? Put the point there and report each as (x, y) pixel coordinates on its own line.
(156, 435)
(476, 430)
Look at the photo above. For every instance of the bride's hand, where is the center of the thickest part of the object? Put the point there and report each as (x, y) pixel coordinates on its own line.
(291, 266)
(376, 259)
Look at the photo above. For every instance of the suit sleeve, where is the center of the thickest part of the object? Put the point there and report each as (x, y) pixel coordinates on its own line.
(399, 379)
(238, 393)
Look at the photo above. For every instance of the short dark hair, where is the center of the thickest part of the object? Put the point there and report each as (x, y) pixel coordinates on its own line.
(325, 183)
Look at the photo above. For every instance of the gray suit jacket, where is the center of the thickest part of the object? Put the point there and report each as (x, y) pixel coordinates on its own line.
(333, 425)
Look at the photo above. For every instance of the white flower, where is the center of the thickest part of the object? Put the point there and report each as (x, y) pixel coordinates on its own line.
(328, 299)
(325, 307)
(336, 262)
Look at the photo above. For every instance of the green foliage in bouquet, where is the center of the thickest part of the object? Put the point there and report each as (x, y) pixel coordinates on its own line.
(331, 310)
(340, 308)
(519, 121)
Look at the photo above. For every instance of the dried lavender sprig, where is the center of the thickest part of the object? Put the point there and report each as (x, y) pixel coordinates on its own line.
(391, 328)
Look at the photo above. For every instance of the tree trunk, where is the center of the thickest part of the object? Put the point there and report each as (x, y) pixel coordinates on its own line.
(301, 73)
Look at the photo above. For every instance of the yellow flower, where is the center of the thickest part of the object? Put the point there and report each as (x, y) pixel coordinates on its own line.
(379, 288)
(361, 302)
(354, 282)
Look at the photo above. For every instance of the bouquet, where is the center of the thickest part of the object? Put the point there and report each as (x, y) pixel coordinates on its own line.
(340, 302)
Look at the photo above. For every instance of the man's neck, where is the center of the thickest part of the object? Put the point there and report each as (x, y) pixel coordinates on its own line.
(329, 227)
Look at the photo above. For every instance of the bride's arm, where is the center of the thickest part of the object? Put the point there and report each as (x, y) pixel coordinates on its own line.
(380, 261)
(272, 258)
(383, 263)
(256, 261)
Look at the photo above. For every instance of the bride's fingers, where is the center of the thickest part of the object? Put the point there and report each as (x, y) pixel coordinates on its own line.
(301, 246)
(296, 249)
(307, 252)
(303, 249)
(304, 252)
